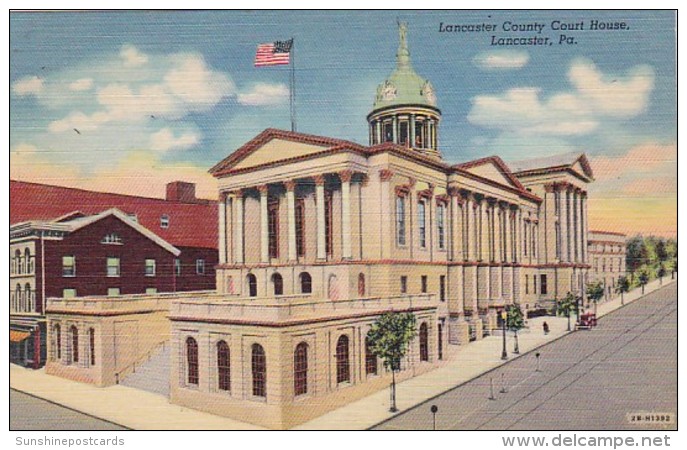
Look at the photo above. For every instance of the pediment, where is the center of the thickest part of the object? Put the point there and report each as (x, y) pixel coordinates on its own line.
(277, 150)
(492, 171)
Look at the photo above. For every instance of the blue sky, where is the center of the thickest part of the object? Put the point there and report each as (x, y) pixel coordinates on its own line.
(177, 91)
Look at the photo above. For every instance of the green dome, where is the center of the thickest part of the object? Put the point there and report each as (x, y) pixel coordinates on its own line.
(404, 86)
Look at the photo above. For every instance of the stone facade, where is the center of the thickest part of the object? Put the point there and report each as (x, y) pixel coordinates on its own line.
(607, 256)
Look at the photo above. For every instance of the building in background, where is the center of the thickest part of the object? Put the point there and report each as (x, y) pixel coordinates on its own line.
(70, 243)
(608, 256)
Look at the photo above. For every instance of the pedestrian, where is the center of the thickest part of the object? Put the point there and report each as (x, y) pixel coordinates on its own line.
(546, 328)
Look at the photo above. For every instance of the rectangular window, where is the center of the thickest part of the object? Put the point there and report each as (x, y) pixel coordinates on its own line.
(151, 290)
(441, 225)
(200, 266)
(534, 283)
(423, 282)
(403, 135)
(273, 227)
(300, 227)
(68, 266)
(525, 241)
(404, 284)
(112, 267)
(388, 132)
(422, 223)
(177, 266)
(328, 223)
(113, 292)
(419, 134)
(442, 288)
(544, 288)
(527, 284)
(164, 221)
(150, 267)
(68, 293)
(400, 220)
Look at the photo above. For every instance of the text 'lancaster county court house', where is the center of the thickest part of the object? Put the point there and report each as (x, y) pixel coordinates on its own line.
(318, 237)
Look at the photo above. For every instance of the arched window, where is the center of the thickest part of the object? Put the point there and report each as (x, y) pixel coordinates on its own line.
(252, 285)
(277, 284)
(17, 257)
(306, 283)
(370, 359)
(27, 293)
(332, 288)
(223, 367)
(17, 296)
(440, 341)
(361, 285)
(57, 330)
(74, 334)
(259, 369)
(91, 345)
(300, 369)
(191, 361)
(424, 338)
(343, 369)
(27, 260)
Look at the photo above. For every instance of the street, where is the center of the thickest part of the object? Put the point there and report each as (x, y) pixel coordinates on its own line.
(588, 380)
(32, 413)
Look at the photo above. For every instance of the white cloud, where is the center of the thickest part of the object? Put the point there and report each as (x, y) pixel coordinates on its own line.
(28, 85)
(132, 57)
(262, 94)
(501, 60)
(616, 96)
(82, 84)
(165, 140)
(195, 84)
(580, 111)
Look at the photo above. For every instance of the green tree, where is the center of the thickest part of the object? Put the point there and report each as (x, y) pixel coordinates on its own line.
(621, 287)
(595, 291)
(661, 272)
(515, 321)
(661, 251)
(566, 305)
(636, 253)
(389, 338)
(643, 278)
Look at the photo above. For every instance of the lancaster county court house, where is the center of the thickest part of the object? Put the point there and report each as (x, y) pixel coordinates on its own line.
(319, 236)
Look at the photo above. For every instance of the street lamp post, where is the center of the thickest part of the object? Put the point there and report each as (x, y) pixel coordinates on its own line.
(504, 316)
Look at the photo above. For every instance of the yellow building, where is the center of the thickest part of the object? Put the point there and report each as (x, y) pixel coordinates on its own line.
(319, 236)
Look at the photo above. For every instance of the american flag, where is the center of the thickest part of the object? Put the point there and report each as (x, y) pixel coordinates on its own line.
(274, 53)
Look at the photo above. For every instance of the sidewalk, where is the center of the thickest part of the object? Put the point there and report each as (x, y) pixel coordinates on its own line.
(142, 410)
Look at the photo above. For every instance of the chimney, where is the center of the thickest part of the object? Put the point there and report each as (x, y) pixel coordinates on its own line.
(181, 191)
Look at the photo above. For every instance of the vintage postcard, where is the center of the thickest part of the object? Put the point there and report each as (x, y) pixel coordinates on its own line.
(343, 220)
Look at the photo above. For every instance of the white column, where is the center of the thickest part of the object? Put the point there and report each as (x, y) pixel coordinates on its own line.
(394, 133)
(238, 245)
(412, 130)
(456, 236)
(585, 228)
(564, 223)
(222, 218)
(346, 212)
(319, 200)
(509, 234)
(378, 131)
(264, 226)
(518, 239)
(291, 219)
(470, 246)
(575, 223)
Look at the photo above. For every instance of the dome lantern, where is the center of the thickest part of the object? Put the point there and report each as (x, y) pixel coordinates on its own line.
(404, 111)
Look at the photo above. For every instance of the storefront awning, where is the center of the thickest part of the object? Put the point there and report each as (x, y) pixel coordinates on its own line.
(18, 336)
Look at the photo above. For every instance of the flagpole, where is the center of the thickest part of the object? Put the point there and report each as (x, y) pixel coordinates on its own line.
(292, 86)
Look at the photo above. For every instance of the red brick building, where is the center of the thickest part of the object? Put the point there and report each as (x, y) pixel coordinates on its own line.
(72, 242)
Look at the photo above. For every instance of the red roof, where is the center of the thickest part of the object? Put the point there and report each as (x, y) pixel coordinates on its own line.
(190, 224)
